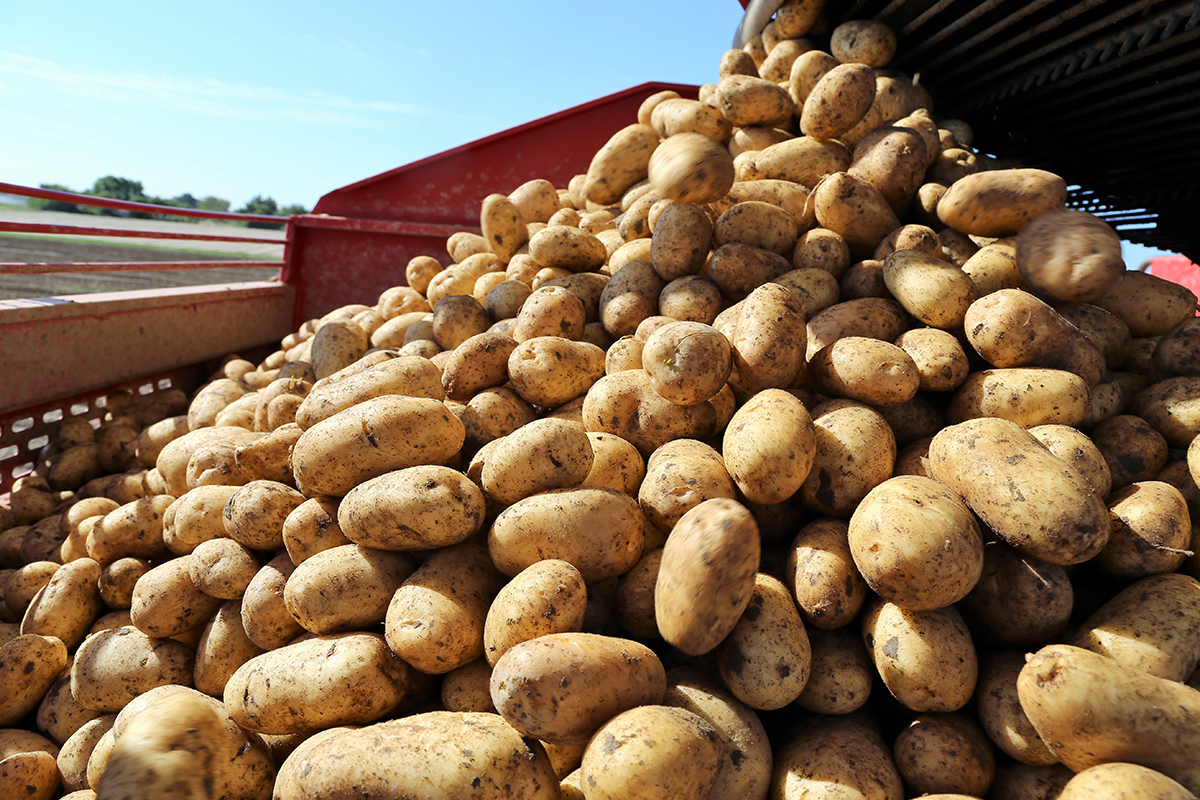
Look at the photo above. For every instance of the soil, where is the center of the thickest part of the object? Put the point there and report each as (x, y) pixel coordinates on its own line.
(32, 249)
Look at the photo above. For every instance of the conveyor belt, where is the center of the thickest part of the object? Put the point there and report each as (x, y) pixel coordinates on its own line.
(1106, 94)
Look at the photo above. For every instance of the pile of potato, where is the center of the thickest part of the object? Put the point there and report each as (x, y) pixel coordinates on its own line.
(794, 450)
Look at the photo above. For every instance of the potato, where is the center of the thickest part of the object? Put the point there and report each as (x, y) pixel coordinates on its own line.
(629, 297)
(625, 404)
(682, 759)
(821, 575)
(824, 250)
(768, 340)
(134, 529)
(546, 597)
(1069, 255)
(567, 247)
(29, 774)
(113, 667)
(1130, 781)
(466, 688)
(166, 602)
(211, 399)
(1171, 408)
(855, 210)
(269, 458)
(494, 413)
(59, 716)
(374, 437)
(933, 290)
(864, 42)
(855, 451)
(1018, 600)
(1000, 202)
(403, 328)
(759, 224)
(769, 446)
(925, 658)
(1148, 626)
(680, 475)
(679, 115)
(73, 757)
(945, 754)
(505, 298)
(174, 458)
(993, 267)
(503, 226)
(869, 370)
(550, 371)
(1027, 396)
(23, 584)
(745, 769)
(765, 660)
(536, 200)
(620, 163)
(1147, 304)
(173, 751)
(690, 167)
(916, 543)
(29, 666)
(1151, 531)
(838, 100)
(939, 358)
(418, 508)
(803, 160)
(223, 647)
(687, 362)
(337, 344)
(1131, 449)
(1088, 705)
(1011, 328)
(737, 269)
(699, 597)
(835, 756)
(751, 100)
(1031, 499)
(608, 675)
(265, 617)
(1000, 711)
(600, 532)
(117, 580)
(345, 588)
(341, 679)
(892, 159)
(435, 620)
(841, 676)
(422, 757)
(690, 299)
(67, 605)
(542, 455)
(550, 311)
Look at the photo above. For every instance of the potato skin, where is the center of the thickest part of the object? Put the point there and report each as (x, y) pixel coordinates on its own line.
(1030, 498)
(944, 755)
(916, 543)
(1089, 706)
(855, 452)
(1000, 202)
(821, 574)
(930, 288)
(1069, 255)
(29, 665)
(113, 667)
(1148, 626)
(376, 436)
(838, 101)
(707, 575)
(345, 588)
(837, 756)
(650, 752)
(546, 597)
(1127, 781)
(766, 660)
(1027, 396)
(925, 658)
(342, 679)
(562, 687)
(68, 604)
(422, 757)
(599, 531)
(543, 455)
(768, 446)
(419, 508)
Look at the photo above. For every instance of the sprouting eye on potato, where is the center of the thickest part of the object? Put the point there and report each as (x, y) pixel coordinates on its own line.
(656, 484)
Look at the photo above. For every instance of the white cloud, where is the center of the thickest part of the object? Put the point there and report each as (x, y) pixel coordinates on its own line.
(204, 96)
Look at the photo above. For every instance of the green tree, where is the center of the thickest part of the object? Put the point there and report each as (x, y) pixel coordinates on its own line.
(261, 205)
(294, 208)
(185, 200)
(54, 205)
(211, 203)
(116, 188)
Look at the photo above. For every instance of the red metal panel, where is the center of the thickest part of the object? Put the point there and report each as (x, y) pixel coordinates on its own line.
(335, 263)
(126, 233)
(1177, 269)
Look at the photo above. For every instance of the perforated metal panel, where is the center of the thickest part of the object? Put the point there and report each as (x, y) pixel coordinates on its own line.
(1106, 94)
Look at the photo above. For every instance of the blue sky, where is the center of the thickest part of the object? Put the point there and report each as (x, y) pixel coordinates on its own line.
(293, 100)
